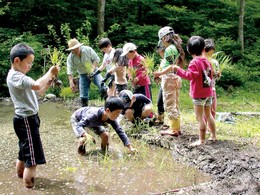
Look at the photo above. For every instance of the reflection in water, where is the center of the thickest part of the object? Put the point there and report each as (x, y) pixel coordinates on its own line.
(152, 170)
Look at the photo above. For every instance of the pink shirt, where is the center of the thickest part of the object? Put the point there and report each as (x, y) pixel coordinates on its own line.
(198, 68)
(141, 72)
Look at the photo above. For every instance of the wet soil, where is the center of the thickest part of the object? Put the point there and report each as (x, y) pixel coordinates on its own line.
(234, 167)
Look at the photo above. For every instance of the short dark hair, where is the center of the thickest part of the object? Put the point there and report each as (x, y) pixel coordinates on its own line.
(20, 50)
(195, 45)
(104, 42)
(209, 45)
(114, 103)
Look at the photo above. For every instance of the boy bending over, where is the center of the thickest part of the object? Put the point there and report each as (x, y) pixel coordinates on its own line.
(94, 117)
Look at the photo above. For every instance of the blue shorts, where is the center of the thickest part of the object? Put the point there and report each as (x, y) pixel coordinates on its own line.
(202, 101)
(30, 145)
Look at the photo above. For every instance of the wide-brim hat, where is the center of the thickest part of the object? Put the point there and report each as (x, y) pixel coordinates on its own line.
(73, 44)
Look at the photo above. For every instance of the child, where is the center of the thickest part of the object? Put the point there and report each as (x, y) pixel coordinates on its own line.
(141, 82)
(105, 46)
(23, 91)
(209, 50)
(136, 106)
(200, 75)
(119, 70)
(94, 117)
(171, 83)
(160, 107)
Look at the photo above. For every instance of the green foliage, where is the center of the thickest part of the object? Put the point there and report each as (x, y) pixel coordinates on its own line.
(231, 77)
(66, 92)
(53, 23)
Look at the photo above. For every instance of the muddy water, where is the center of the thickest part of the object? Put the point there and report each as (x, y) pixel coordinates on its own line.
(152, 170)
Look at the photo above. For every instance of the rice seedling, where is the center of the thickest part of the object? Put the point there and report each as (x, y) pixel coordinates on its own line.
(223, 60)
(149, 63)
(89, 68)
(56, 58)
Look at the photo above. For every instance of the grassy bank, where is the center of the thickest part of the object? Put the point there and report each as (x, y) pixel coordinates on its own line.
(245, 99)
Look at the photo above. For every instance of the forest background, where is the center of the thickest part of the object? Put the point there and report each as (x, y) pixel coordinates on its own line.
(45, 25)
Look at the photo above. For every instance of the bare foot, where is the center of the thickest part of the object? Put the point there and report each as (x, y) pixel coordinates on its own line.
(211, 138)
(29, 184)
(197, 143)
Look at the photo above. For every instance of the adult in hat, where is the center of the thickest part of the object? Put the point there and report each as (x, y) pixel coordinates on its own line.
(84, 60)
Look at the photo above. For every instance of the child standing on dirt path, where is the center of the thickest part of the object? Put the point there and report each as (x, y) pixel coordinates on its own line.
(93, 118)
(141, 82)
(160, 107)
(200, 74)
(171, 83)
(209, 50)
(23, 91)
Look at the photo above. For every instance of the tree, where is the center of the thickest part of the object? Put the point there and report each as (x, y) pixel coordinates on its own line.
(241, 24)
(101, 16)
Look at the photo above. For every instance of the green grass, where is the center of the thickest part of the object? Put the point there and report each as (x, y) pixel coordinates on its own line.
(243, 99)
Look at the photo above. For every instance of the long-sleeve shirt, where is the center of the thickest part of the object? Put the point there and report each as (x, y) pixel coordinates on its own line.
(199, 71)
(92, 117)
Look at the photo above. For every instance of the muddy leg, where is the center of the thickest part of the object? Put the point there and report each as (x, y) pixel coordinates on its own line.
(19, 168)
(104, 140)
(29, 175)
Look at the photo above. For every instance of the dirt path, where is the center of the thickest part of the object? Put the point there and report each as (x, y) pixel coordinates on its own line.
(235, 167)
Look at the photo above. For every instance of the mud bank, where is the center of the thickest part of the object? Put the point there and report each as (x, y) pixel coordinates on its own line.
(234, 167)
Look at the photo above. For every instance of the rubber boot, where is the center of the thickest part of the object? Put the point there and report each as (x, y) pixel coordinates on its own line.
(174, 128)
(84, 102)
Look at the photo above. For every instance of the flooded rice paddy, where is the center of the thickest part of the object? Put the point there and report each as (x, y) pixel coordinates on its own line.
(152, 171)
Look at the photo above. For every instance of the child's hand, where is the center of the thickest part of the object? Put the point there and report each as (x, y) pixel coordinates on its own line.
(156, 74)
(54, 70)
(136, 80)
(132, 149)
(175, 68)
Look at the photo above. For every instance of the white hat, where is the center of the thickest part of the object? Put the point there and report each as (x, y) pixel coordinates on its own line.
(73, 44)
(126, 97)
(164, 31)
(128, 47)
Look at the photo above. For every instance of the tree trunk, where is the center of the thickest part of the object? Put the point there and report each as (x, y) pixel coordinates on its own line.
(241, 24)
(101, 16)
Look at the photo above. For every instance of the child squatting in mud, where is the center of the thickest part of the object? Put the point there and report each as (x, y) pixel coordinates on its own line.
(93, 118)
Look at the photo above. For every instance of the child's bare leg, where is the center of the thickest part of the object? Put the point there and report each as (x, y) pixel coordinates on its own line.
(19, 168)
(104, 140)
(211, 123)
(147, 111)
(28, 176)
(202, 126)
(129, 115)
